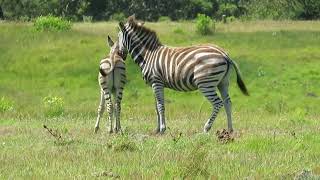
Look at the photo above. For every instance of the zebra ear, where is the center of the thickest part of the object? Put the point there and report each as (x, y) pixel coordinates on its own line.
(110, 42)
(121, 25)
(132, 17)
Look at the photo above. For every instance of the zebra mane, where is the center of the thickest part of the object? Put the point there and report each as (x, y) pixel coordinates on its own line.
(138, 27)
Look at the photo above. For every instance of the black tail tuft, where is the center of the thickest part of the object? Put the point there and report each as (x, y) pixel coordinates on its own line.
(240, 82)
(242, 86)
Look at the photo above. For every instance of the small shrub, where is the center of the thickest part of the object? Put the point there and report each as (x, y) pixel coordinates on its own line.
(87, 18)
(164, 19)
(204, 24)
(51, 23)
(5, 105)
(123, 143)
(118, 17)
(230, 19)
(54, 106)
(178, 31)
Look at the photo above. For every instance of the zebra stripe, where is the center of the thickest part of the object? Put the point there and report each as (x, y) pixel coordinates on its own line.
(203, 67)
(112, 79)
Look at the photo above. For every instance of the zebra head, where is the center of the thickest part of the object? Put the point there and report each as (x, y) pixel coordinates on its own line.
(136, 39)
(127, 33)
(114, 56)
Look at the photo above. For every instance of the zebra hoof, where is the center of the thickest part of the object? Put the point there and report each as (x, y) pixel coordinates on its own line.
(230, 130)
(162, 130)
(96, 129)
(110, 131)
(206, 128)
(117, 130)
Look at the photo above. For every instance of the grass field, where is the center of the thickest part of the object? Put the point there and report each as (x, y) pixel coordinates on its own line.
(277, 127)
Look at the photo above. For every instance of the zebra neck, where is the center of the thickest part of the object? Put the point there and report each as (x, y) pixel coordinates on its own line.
(139, 56)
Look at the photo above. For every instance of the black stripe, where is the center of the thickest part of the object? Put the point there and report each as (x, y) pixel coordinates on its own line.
(102, 72)
(123, 68)
(215, 73)
(208, 81)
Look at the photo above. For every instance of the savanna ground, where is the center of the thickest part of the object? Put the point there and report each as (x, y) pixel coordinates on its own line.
(277, 127)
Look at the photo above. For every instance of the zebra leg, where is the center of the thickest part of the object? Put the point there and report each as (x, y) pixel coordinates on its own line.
(158, 90)
(157, 130)
(216, 102)
(109, 109)
(118, 110)
(101, 109)
(223, 88)
(117, 114)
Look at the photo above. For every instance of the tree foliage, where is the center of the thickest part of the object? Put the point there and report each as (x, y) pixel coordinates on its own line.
(152, 10)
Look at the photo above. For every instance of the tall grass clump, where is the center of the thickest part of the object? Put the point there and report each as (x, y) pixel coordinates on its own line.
(195, 164)
(5, 105)
(54, 106)
(204, 24)
(51, 23)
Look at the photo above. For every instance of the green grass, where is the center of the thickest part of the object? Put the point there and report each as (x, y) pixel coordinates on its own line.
(277, 127)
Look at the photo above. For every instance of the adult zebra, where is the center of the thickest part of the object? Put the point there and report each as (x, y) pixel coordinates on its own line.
(202, 67)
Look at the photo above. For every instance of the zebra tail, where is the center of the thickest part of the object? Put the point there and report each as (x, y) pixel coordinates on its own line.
(102, 72)
(104, 69)
(240, 82)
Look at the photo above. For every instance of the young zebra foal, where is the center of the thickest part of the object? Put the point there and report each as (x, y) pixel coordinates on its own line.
(112, 78)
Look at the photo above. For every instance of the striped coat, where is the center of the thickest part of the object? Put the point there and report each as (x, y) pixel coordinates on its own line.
(202, 67)
(112, 79)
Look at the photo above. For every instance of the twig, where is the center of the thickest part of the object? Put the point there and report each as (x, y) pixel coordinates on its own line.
(54, 134)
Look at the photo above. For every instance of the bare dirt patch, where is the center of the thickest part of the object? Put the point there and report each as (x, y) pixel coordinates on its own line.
(224, 136)
(7, 130)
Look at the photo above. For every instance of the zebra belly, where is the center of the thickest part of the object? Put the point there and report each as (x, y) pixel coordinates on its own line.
(210, 74)
(181, 85)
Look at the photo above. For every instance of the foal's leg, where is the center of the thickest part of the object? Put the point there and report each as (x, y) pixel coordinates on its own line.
(118, 98)
(211, 95)
(107, 96)
(101, 109)
(158, 90)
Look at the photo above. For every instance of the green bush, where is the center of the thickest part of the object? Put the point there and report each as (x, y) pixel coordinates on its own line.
(204, 24)
(54, 106)
(230, 19)
(117, 17)
(87, 18)
(51, 23)
(5, 105)
(164, 19)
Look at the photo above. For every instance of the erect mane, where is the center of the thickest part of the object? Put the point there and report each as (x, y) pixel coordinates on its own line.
(137, 27)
